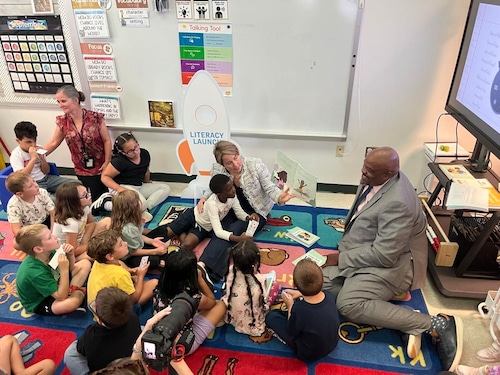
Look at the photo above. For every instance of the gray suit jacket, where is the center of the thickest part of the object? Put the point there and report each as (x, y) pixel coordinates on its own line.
(387, 237)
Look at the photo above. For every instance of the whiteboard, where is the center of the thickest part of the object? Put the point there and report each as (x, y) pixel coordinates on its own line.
(292, 65)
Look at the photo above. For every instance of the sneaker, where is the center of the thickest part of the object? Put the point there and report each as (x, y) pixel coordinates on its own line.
(466, 370)
(204, 275)
(449, 342)
(412, 344)
(98, 205)
(146, 217)
(489, 354)
(78, 313)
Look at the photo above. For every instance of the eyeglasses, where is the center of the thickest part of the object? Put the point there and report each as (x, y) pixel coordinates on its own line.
(86, 195)
(91, 307)
(130, 152)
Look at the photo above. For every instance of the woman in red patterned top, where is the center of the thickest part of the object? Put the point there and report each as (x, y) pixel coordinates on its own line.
(87, 137)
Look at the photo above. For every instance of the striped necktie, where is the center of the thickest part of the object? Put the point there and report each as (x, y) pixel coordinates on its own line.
(361, 198)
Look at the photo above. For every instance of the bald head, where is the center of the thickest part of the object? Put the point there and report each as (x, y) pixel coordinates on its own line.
(379, 166)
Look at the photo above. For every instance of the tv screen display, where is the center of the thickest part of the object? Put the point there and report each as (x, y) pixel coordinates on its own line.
(474, 96)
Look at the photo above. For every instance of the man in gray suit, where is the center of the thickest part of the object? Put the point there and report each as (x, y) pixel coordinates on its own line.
(382, 254)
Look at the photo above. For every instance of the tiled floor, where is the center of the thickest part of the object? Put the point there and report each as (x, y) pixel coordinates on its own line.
(476, 332)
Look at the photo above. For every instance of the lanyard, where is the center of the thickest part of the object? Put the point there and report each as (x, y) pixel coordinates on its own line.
(80, 134)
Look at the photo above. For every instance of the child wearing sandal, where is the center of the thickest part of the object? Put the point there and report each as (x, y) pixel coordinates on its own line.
(244, 296)
(41, 288)
(126, 219)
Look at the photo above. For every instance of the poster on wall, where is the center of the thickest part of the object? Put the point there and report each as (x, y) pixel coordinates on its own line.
(133, 13)
(35, 53)
(109, 105)
(91, 23)
(100, 68)
(184, 9)
(207, 46)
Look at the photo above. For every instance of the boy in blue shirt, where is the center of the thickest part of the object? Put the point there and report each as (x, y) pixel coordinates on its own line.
(311, 323)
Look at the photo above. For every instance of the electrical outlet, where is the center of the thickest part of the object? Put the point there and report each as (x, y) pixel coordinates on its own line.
(340, 151)
(368, 149)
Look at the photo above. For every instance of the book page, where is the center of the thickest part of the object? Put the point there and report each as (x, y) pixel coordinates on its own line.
(467, 197)
(455, 171)
(289, 173)
(494, 194)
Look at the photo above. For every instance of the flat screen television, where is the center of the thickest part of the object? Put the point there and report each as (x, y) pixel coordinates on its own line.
(474, 96)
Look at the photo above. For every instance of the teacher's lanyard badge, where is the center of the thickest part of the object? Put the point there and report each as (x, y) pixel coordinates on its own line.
(88, 162)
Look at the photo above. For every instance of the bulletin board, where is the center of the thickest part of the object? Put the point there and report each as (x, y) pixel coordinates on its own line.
(292, 64)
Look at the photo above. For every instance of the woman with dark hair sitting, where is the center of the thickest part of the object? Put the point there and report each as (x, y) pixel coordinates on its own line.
(129, 169)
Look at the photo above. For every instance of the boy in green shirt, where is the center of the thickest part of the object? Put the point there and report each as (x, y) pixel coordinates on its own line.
(43, 289)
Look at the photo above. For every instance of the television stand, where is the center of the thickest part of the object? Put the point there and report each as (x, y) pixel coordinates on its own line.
(459, 281)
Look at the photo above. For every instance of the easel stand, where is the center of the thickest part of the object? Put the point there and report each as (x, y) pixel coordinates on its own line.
(457, 280)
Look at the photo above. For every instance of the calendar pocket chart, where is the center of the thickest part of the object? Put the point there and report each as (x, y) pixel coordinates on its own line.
(35, 53)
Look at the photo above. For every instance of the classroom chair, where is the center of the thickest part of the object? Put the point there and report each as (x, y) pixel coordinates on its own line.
(6, 194)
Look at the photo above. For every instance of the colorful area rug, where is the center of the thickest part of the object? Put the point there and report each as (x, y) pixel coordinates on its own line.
(362, 349)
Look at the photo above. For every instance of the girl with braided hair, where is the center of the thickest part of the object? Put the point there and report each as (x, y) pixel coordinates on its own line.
(244, 296)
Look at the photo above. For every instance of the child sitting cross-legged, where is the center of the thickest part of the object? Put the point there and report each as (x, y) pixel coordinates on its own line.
(182, 274)
(107, 248)
(74, 224)
(126, 218)
(110, 338)
(42, 289)
(244, 296)
(310, 325)
(29, 203)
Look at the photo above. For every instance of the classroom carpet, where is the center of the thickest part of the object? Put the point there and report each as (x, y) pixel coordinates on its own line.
(361, 349)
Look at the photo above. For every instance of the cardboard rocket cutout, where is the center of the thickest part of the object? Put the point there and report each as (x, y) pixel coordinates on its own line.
(205, 122)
